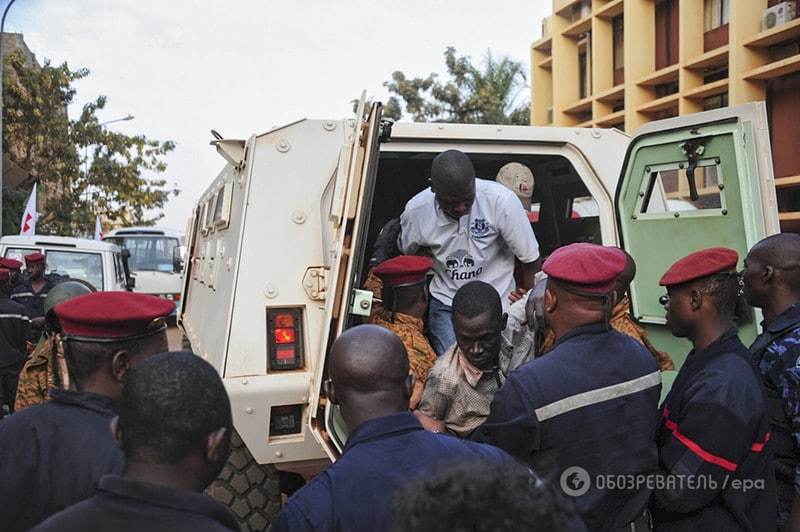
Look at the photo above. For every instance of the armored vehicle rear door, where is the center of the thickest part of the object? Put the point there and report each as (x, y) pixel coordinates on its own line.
(350, 213)
(689, 183)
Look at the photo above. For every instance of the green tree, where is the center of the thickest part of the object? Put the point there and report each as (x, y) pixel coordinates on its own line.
(82, 169)
(484, 94)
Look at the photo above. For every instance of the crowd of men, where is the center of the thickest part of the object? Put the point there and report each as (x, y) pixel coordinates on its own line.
(475, 400)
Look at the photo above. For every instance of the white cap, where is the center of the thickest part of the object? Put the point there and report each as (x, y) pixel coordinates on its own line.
(519, 179)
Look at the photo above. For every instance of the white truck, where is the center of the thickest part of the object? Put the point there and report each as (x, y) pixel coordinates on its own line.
(102, 264)
(156, 259)
(279, 243)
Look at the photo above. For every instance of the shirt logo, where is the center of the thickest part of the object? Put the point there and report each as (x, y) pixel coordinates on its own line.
(461, 266)
(480, 228)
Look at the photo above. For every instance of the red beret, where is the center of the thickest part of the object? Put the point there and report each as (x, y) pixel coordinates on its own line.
(4, 274)
(586, 267)
(34, 257)
(700, 264)
(405, 270)
(111, 314)
(11, 264)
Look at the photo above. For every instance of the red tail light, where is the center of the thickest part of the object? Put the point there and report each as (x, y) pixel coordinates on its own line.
(284, 339)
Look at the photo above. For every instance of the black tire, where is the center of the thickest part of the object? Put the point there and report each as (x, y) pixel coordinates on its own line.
(250, 490)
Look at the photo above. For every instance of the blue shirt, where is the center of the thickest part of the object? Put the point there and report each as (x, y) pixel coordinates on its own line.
(125, 505)
(381, 456)
(713, 441)
(52, 455)
(591, 402)
(776, 353)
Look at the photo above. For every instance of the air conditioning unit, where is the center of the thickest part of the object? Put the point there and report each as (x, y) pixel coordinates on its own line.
(778, 15)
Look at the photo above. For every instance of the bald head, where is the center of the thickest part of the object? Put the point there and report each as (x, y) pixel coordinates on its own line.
(772, 273)
(369, 374)
(452, 171)
(453, 183)
(780, 251)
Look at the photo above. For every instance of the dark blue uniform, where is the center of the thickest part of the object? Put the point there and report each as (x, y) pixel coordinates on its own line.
(381, 455)
(15, 330)
(53, 455)
(591, 402)
(776, 353)
(713, 439)
(125, 505)
(32, 300)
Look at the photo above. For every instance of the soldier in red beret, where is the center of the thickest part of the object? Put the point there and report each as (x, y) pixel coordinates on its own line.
(589, 406)
(714, 433)
(54, 453)
(404, 304)
(14, 267)
(15, 331)
(30, 292)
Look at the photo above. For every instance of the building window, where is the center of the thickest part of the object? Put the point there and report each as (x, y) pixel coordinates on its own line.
(715, 102)
(619, 42)
(716, 13)
(582, 74)
(667, 30)
(581, 10)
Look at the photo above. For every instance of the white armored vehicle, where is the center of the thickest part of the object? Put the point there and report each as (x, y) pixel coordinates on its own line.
(279, 244)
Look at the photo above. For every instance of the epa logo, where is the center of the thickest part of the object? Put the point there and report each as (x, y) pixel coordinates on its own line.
(575, 481)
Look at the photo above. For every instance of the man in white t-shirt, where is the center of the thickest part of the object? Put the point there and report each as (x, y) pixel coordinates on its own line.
(473, 229)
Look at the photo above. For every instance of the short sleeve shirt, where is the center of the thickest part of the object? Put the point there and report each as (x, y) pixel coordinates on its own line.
(479, 246)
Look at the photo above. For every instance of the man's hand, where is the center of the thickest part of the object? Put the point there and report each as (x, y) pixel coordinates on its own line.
(517, 294)
(386, 244)
(433, 425)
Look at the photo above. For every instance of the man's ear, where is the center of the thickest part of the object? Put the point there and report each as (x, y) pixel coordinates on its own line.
(120, 365)
(695, 300)
(330, 391)
(408, 389)
(768, 275)
(116, 431)
(550, 301)
(214, 444)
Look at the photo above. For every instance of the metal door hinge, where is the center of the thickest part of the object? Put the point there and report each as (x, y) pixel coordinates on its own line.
(315, 282)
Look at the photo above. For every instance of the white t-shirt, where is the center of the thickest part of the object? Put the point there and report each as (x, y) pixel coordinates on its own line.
(480, 246)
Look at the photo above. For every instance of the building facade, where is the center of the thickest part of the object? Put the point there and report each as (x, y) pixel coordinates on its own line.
(622, 63)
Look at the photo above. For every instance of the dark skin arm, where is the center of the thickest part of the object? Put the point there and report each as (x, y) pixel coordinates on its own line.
(529, 270)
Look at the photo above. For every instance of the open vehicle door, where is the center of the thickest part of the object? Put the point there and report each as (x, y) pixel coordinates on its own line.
(349, 214)
(689, 183)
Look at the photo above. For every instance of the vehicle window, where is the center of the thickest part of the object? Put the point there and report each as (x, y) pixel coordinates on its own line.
(218, 206)
(583, 207)
(77, 265)
(150, 253)
(119, 269)
(668, 190)
(209, 211)
(19, 253)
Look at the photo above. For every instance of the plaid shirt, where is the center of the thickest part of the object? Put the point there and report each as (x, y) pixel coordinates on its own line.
(460, 394)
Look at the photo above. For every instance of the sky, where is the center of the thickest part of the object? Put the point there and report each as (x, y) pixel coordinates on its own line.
(184, 67)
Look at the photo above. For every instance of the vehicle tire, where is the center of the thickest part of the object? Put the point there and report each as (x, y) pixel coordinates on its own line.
(250, 490)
